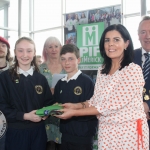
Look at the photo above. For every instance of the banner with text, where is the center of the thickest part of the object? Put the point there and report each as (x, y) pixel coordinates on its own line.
(84, 29)
(88, 38)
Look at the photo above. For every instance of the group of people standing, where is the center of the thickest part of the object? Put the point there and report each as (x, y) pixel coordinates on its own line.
(118, 104)
(73, 20)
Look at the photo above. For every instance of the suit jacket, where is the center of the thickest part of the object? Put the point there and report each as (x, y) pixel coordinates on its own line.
(138, 60)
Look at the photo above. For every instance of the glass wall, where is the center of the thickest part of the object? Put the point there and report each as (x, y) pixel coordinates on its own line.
(43, 18)
(39, 38)
(2, 17)
(13, 36)
(79, 5)
(132, 18)
(13, 15)
(47, 14)
(131, 6)
(148, 5)
(25, 16)
(2, 33)
(131, 24)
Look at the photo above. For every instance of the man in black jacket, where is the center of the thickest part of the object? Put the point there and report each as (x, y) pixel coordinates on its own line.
(140, 59)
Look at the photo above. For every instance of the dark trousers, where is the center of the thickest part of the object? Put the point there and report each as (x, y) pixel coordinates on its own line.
(26, 139)
(52, 146)
(76, 146)
(2, 143)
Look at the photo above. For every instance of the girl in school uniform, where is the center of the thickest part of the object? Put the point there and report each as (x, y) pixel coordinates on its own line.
(23, 91)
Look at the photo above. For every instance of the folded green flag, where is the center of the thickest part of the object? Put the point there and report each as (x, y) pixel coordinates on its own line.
(49, 110)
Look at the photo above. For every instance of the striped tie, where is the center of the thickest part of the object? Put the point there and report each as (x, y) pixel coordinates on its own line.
(146, 66)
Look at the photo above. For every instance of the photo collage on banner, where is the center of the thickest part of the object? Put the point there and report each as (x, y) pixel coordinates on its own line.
(84, 29)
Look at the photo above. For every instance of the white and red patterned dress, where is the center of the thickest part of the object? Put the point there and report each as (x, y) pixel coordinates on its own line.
(122, 121)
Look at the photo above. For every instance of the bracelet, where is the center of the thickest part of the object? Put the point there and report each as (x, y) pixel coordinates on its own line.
(83, 105)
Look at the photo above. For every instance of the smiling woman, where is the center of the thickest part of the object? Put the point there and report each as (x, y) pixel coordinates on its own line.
(50, 66)
(117, 99)
(115, 46)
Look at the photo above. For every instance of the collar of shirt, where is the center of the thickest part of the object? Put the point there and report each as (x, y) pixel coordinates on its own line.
(144, 51)
(72, 78)
(7, 66)
(143, 57)
(26, 73)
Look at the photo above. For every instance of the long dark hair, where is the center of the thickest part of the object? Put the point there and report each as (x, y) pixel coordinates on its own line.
(13, 69)
(128, 53)
(8, 56)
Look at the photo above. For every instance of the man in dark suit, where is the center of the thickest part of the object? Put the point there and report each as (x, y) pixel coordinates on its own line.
(140, 59)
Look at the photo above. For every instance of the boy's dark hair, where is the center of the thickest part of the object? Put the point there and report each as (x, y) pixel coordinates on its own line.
(70, 48)
(128, 53)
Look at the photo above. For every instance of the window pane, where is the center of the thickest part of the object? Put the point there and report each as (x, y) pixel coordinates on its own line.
(47, 14)
(79, 5)
(1, 32)
(39, 39)
(2, 17)
(25, 15)
(4, 13)
(25, 34)
(132, 6)
(13, 37)
(148, 5)
(132, 26)
(13, 15)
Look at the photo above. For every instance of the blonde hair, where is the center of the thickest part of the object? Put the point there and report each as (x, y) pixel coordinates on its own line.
(49, 40)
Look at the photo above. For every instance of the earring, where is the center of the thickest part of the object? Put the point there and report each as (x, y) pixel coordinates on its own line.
(125, 49)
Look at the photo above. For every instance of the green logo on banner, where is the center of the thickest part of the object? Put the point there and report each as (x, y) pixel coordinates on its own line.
(88, 37)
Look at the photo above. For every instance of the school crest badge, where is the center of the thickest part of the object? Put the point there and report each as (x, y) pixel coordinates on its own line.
(39, 89)
(77, 90)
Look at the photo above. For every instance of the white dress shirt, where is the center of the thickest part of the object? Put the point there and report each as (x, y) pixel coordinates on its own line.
(74, 77)
(26, 73)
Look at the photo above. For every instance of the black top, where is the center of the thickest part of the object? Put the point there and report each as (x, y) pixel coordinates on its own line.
(138, 60)
(22, 96)
(77, 129)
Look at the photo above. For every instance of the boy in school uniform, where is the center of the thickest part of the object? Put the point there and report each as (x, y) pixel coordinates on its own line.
(75, 87)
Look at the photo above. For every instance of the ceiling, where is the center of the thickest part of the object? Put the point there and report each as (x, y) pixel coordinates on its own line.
(3, 2)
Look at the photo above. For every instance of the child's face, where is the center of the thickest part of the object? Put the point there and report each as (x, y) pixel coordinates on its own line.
(24, 53)
(70, 62)
(39, 61)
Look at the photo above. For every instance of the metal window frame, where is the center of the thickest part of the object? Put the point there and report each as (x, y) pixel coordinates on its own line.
(63, 7)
